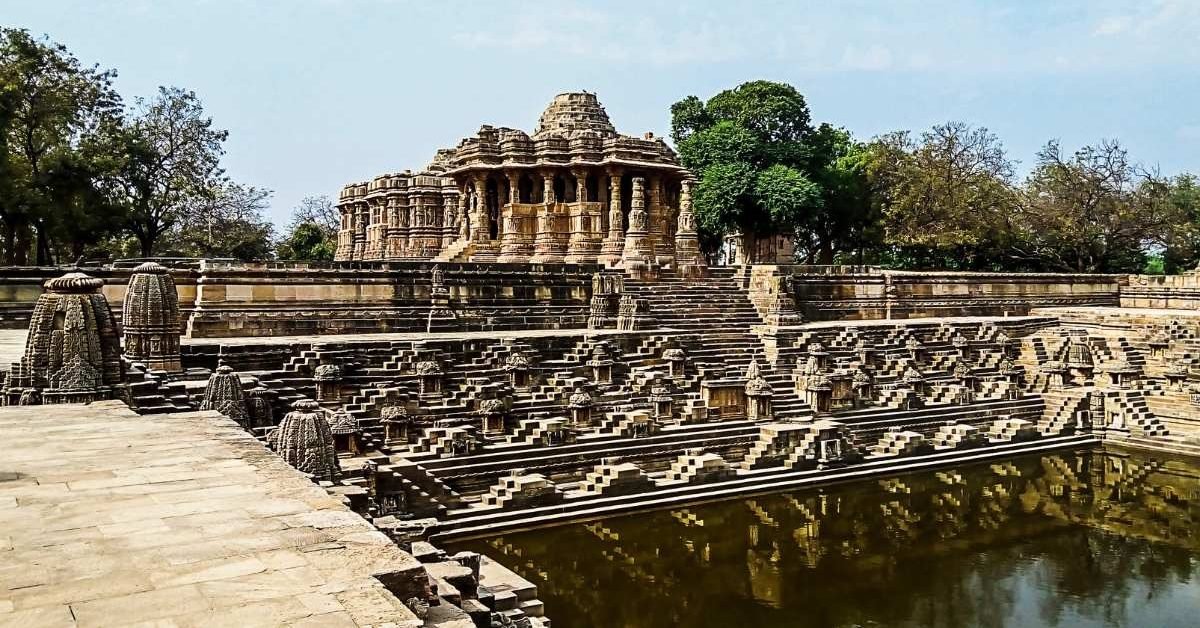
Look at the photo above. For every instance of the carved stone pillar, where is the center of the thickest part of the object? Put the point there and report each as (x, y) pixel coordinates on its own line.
(418, 244)
(614, 242)
(376, 227)
(657, 213)
(398, 237)
(514, 187)
(548, 188)
(449, 213)
(584, 242)
(464, 220)
(515, 242)
(360, 229)
(345, 236)
(480, 227)
(638, 255)
(548, 246)
(688, 260)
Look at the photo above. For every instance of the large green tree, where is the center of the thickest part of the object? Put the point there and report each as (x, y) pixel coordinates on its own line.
(174, 153)
(847, 221)
(944, 196)
(1181, 196)
(763, 168)
(1093, 211)
(52, 108)
(747, 147)
(227, 220)
(312, 233)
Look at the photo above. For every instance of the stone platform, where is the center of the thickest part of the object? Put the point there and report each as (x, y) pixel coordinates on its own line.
(110, 518)
(1120, 317)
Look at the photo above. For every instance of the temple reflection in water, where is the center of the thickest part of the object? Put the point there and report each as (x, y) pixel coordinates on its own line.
(1070, 539)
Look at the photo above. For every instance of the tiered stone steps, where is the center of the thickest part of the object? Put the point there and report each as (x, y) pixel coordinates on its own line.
(716, 301)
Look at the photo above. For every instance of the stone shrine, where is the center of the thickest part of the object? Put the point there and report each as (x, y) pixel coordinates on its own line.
(574, 191)
(72, 351)
(151, 322)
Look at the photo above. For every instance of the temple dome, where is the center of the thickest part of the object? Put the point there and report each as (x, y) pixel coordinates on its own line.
(575, 113)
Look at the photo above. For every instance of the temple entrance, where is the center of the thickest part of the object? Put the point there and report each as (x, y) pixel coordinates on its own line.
(592, 186)
(560, 189)
(525, 189)
(492, 198)
(626, 200)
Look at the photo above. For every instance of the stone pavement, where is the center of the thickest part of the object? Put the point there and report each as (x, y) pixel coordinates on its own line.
(108, 518)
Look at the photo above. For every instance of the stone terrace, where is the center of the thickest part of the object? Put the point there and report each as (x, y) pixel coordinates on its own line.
(107, 518)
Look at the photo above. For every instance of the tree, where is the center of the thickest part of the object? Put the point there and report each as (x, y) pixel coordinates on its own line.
(306, 241)
(312, 232)
(1092, 211)
(51, 105)
(227, 221)
(945, 196)
(1182, 196)
(747, 148)
(174, 163)
(319, 210)
(849, 213)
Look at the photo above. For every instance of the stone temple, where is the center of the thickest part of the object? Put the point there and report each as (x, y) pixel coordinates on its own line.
(574, 191)
(519, 336)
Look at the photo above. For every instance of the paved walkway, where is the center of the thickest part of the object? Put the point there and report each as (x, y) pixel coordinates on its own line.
(108, 518)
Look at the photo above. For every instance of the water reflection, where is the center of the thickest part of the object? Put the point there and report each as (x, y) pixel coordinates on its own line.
(1072, 539)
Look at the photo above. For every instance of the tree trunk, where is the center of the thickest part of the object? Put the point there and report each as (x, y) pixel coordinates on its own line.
(21, 249)
(44, 257)
(825, 254)
(10, 244)
(146, 241)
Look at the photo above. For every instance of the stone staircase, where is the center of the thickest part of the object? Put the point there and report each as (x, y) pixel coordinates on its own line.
(1010, 430)
(900, 442)
(955, 435)
(716, 301)
(616, 479)
(153, 393)
(1062, 407)
(1137, 414)
(696, 467)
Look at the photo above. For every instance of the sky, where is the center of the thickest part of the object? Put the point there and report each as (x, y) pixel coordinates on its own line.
(319, 93)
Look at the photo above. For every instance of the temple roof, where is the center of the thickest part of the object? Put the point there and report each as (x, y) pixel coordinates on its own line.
(573, 130)
(571, 114)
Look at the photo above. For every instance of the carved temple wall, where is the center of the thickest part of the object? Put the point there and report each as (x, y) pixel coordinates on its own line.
(572, 214)
(574, 190)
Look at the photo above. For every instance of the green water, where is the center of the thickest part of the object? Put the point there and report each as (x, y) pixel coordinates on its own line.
(1072, 539)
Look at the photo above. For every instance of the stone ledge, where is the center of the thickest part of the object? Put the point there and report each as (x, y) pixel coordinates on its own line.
(181, 519)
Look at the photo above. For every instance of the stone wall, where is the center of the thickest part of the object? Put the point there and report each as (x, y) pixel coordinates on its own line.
(1176, 292)
(864, 293)
(21, 285)
(224, 299)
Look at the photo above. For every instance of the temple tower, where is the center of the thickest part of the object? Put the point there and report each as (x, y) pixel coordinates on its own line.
(305, 441)
(223, 393)
(73, 350)
(151, 319)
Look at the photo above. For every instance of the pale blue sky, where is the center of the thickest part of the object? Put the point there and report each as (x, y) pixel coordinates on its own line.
(317, 93)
